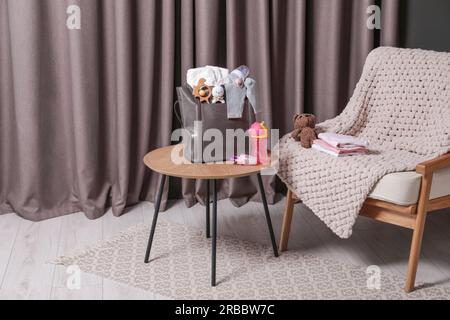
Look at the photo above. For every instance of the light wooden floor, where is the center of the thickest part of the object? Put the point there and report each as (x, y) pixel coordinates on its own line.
(25, 246)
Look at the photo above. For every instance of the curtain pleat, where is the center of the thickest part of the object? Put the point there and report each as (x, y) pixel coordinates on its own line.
(79, 109)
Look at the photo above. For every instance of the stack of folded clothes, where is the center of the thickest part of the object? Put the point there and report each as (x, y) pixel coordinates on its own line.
(340, 145)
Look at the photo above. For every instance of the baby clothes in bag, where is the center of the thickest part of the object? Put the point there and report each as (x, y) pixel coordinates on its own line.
(236, 97)
(236, 92)
(214, 76)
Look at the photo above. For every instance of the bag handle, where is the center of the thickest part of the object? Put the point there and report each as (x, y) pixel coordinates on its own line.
(198, 110)
(176, 111)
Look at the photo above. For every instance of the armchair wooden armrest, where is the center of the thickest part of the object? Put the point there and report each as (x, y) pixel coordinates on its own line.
(433, 165)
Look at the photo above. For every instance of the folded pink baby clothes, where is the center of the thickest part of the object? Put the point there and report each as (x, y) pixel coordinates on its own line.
(339, 151)
(334, 154)
(343, 141)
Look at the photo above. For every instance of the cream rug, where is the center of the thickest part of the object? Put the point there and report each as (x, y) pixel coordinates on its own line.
(180, 269)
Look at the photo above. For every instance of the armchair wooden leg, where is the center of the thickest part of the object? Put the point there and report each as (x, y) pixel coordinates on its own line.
(419, 227)
(287, 219)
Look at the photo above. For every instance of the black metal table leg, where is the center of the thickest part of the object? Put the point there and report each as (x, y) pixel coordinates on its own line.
(266, 210)
(208, 223)
(214, 235)
(155, 218)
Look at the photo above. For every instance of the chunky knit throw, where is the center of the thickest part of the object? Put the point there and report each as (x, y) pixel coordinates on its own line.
(402, 106)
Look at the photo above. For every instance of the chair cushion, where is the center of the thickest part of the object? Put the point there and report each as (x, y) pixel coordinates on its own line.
(403, 188)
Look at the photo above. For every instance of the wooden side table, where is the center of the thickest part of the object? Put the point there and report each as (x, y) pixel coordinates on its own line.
(160, 161)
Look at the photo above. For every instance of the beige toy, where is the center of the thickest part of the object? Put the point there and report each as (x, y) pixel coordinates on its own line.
(218, 93)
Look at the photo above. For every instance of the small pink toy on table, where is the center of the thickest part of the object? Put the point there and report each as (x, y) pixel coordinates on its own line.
(259, 134)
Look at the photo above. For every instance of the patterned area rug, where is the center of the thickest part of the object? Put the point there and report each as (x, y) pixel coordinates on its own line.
(180, 269)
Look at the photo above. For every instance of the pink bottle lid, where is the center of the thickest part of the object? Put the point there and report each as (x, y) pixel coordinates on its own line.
(259, 130)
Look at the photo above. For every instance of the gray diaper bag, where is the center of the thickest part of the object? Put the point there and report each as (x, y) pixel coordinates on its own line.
(197, 118)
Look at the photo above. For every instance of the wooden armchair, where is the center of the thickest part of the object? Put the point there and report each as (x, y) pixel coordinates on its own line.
(411, 216)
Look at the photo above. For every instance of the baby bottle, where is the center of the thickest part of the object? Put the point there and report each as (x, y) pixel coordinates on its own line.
(258, 133)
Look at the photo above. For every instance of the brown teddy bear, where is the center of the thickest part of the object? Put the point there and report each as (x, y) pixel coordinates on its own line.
(304, 129)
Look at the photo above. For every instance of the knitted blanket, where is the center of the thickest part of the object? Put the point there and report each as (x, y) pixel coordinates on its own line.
(401, 105)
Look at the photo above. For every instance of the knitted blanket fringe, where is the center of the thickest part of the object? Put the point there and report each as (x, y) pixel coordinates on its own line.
(401, 105)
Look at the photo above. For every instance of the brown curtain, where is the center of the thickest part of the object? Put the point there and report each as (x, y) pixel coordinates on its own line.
(80, 108)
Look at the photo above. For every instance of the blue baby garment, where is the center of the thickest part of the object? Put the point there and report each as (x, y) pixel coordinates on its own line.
(235, 97)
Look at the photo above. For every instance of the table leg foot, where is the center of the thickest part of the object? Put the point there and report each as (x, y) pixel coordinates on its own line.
(155, 218)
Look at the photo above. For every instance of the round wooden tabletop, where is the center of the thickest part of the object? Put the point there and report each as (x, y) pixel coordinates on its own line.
(170, 161)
